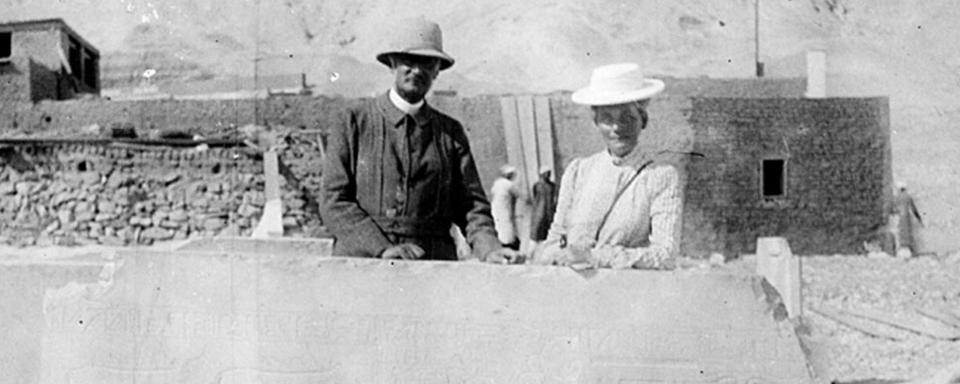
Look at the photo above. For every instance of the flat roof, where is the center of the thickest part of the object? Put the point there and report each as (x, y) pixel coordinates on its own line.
(45, 23)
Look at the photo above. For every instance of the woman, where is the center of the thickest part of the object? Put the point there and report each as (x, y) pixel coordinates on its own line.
(618, 208)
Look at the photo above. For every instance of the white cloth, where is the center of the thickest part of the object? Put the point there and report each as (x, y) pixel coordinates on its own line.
(503, 200)
(643, 228)
(403, 105)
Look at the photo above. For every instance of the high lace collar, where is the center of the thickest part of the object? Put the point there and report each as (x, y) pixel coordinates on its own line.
(635, 158)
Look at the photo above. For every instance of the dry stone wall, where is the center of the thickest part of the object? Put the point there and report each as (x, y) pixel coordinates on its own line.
(69, 194)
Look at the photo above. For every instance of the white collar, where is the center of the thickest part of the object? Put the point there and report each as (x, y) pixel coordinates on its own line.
(403, 105)
(635, 157)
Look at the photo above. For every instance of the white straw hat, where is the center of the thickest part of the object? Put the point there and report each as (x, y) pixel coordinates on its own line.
(617, 84)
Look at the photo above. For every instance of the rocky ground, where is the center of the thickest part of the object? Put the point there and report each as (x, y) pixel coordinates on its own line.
(892, 286)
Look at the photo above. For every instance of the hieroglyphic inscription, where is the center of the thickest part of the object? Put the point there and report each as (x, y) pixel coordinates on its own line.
(401, 349)
(246, 318)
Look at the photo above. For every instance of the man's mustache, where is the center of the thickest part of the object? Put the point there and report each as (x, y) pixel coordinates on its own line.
(417, 76)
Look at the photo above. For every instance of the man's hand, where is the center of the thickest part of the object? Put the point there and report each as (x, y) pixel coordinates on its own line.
(406, 251)
(505, 256)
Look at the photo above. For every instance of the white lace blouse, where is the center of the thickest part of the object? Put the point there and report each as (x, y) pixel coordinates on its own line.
(642, 229)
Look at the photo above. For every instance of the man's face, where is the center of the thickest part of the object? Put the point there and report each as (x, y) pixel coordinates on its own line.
(620, 125)
(414, 75)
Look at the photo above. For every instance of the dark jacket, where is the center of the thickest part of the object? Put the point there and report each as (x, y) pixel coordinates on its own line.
(544, 206)
(389, 178)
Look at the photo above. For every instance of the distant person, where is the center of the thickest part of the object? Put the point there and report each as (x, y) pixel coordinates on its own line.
(544, 205)
(398, 173)
(503, 199)
(621, 207)
(901, 216)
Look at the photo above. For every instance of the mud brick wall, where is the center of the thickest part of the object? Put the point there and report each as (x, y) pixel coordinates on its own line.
(754, 88)
(837, 177)
(576, 136)
(14, 82)
(94, 194)
(481, 119)
(837, 153)
(47, 84)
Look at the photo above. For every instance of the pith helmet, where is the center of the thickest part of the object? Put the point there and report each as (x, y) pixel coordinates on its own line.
(417, 36)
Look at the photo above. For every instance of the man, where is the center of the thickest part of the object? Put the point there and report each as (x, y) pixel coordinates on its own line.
(398, 173)
(544, 205)
(902, 214)
(503, 199)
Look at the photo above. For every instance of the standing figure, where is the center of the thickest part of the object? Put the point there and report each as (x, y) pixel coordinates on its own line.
(544, 205)
(621, 207)
(902, 214)
(503, 199)
(398, 173)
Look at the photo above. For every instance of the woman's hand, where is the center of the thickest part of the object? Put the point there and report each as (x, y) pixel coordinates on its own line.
(545, 253)
(578, 256)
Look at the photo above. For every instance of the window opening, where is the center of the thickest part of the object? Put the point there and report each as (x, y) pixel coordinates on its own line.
(773, 177)
(90, 70)
(6, 45)
(75, 59)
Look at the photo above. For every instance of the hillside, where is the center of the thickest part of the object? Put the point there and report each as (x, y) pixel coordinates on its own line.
(907, 50)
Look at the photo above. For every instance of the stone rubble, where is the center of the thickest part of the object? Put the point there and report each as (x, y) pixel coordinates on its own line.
(88, 194)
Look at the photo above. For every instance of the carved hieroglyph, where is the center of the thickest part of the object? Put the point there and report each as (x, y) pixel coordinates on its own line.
(206, 317)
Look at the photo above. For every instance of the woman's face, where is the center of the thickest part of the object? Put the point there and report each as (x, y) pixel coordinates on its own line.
(620, 125)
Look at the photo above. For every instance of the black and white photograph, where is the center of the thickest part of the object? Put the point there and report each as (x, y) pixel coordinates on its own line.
(479, 192)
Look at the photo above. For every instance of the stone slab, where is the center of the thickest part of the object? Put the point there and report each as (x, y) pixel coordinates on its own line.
(202, 317)
(513, 138)
(303, 247)
(776, 262)
(528, 142)
(544, 137)
(941, 315)
(908, 321)
(24, 284)
(868, 327)
(271, 221)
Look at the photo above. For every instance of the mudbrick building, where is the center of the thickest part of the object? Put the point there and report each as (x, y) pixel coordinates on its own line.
(816, 171)
(46, 60)
(777, 160)
(771, 157)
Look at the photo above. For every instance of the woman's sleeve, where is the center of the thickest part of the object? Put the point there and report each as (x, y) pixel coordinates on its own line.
(665, 215)
(568, 181)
